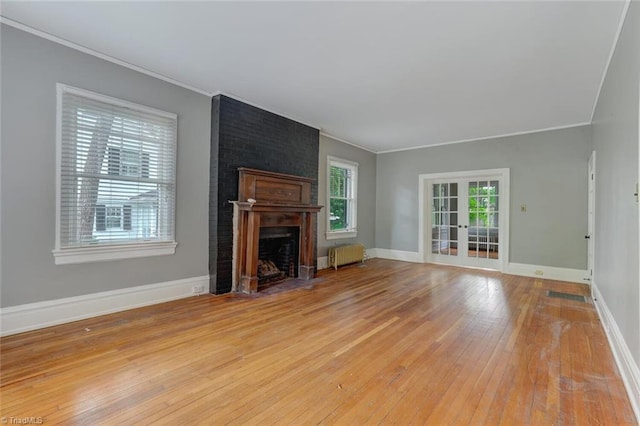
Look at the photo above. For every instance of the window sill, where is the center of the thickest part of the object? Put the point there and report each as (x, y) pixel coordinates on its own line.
(112, 252)
(335, 235)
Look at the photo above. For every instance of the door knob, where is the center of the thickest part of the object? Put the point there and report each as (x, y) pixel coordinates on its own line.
(587, 236)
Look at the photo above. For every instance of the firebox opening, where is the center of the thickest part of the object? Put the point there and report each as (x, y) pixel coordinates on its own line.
(277, 254)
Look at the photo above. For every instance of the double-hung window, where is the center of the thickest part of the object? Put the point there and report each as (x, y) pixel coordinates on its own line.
(342, 198)
(116, 165)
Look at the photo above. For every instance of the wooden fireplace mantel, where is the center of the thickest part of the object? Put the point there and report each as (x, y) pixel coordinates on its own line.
(265, 207)
(267, 199)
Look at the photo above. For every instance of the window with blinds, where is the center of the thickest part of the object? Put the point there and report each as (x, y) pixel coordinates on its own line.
(116, 178)
(342, 198)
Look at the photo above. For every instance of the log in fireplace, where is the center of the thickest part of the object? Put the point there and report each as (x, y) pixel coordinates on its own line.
(274, 206)
(277, 254)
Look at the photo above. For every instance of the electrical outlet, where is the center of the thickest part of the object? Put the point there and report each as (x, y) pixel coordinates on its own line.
(539, 272)
(197, 289)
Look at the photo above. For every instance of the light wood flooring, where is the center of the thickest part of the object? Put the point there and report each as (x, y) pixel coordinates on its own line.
(388, 342)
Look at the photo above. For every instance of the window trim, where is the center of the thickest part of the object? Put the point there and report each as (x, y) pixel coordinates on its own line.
(106, 252)
(119, 215)
(113, 252)
(351, 232)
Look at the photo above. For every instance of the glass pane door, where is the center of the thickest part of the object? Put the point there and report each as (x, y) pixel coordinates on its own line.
(465, 222)
(483, 206)
(444, 219)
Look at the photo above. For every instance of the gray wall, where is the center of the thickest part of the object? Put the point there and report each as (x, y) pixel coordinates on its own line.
(548, 174)
(366, 192)
(616, 139)
(31, 67)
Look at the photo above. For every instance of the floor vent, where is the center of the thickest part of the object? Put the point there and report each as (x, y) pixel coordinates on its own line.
(559, 295)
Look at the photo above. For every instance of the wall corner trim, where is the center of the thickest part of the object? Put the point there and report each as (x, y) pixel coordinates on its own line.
(32, 316)
(548, 272)
(629, 370)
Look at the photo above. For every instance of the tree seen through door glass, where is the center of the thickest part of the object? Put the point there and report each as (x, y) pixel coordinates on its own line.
(483, 205)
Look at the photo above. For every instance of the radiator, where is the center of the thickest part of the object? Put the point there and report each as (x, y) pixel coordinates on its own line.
(343, 255)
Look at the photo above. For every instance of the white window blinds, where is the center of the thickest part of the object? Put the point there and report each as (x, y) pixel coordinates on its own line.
(117, 164)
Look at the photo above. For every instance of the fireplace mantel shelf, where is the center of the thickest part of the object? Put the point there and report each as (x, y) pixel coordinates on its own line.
(274, 207)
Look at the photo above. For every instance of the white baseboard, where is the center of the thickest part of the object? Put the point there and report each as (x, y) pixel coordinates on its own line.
(629, 370)
(323, 262)
(406, 256)
(17, 319)
(548, 272)
(372, 253)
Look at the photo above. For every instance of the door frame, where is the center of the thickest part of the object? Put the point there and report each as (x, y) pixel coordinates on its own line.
(591, 219)
(424, 210)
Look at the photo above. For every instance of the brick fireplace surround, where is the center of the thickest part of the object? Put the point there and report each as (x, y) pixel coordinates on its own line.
(243, 135)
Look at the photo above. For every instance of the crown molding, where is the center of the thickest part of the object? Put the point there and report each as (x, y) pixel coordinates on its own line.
(527, 132)
(335, 138)
(100, 55)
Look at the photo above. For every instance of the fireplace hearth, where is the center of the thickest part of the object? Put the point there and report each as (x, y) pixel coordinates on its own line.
(273, 234)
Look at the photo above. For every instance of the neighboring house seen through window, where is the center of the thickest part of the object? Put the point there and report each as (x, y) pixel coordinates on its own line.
(113, 217)
(116, 178)
(342, 198)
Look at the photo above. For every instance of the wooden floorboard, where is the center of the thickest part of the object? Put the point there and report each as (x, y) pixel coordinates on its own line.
(383, 343)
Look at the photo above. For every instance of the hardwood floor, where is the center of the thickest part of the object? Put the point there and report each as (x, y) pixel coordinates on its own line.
(389, 342)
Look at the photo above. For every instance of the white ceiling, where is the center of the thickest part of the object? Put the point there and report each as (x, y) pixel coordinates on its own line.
(382, 75)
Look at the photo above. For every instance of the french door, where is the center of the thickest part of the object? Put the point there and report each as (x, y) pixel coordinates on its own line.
(465, 223)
